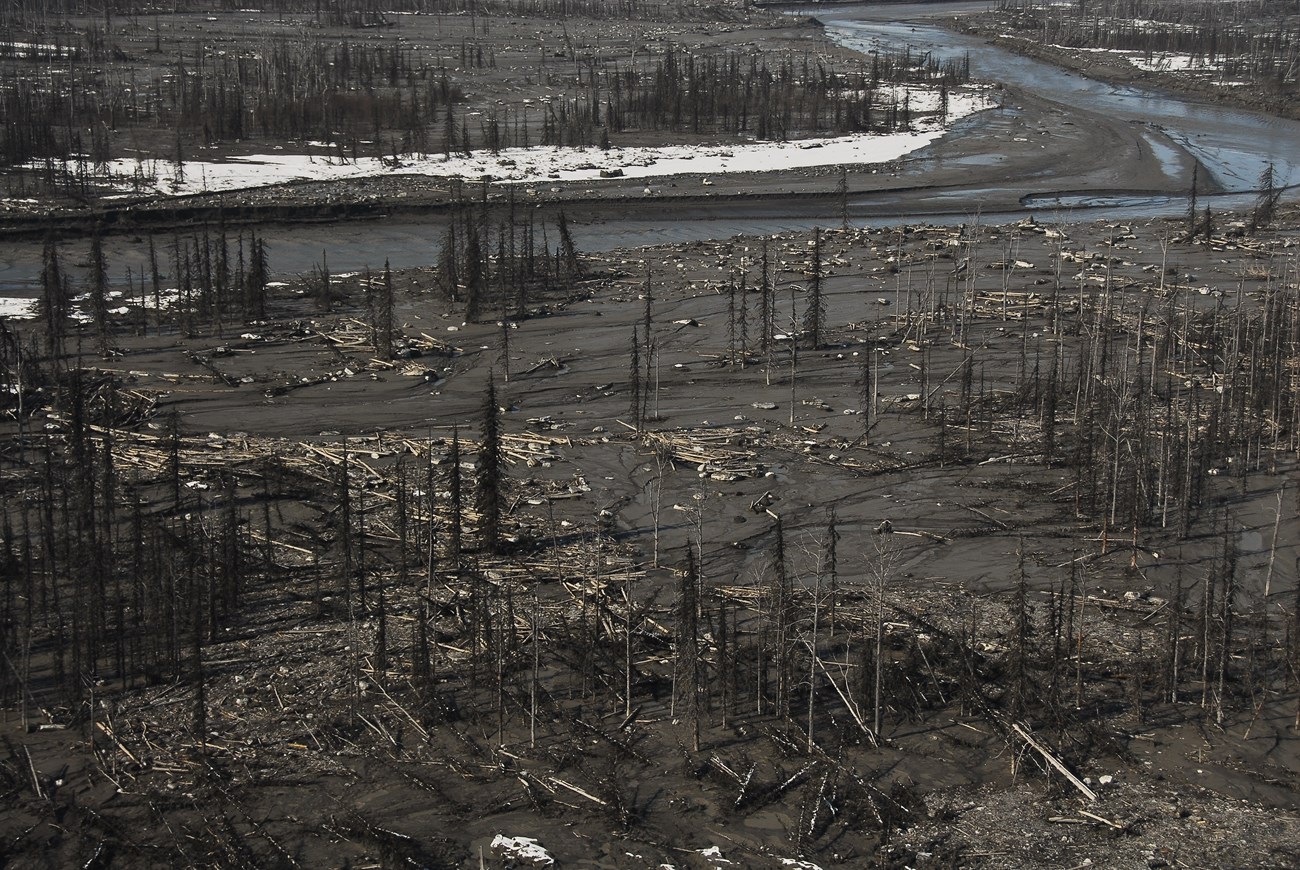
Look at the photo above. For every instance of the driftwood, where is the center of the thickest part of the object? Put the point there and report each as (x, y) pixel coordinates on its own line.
(718, 453)
(576, 790)
(1055, 762)
(551, 361)
(206, 364)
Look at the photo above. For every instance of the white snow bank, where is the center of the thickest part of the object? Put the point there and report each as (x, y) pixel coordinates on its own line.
(17, 308)
(1156, 61)
(545, 164)
(1165, 62)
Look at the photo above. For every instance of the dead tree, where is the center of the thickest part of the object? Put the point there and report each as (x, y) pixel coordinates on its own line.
(1021, 644)
(634, 381)
(490, 499)
(686, 649)
(455, 506)
(814, 314)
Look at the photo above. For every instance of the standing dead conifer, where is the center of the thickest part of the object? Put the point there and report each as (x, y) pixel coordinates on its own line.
(634, 385)
(54, 298)
(842, 191)
(1294, 651)
(648, 297)
(866, 387)
(155, 284)
(343, 494)
(830, 564)
(324, 284)
(455, 506)
(98, 290)
(260, 268)
(882, 568)
(447, 262)
(381, 639)
(726, 660)
(686, 668)
(814, 315)
(178, 161)
(780, 608)
(731, 322)
(199, 721)
(1174, 637)
(489, 499)
(568, 249)
(174, 456)
(650, 356)
(241, 276)
(794, 352)
(1056, 625)
(384, 324)
(629, 664)
(1021, 638)
(1266, 199)
(766, 309)
(475, 275)
(448, 132)
(1049, 407)
(742, 320)
(813, 662)
(421, 664)
(505, 346)
(1225, 618)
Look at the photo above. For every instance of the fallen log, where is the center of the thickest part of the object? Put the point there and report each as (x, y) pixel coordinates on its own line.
(1053, 761)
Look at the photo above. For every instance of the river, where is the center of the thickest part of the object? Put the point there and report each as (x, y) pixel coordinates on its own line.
(1232, 146)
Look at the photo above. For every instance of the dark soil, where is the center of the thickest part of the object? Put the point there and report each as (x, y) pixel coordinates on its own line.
(319, 745)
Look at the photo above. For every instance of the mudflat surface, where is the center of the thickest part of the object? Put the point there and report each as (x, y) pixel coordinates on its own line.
(319, 750)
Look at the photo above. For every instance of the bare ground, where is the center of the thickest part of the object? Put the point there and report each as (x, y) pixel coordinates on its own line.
(314, 756)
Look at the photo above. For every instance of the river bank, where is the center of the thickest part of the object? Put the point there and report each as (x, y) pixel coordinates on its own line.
(1029, 150)
(1117, 69)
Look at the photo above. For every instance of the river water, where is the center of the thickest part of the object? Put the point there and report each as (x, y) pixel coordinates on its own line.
(1233, 146)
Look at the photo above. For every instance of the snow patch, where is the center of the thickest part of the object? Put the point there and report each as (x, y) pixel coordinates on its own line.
(1165, 62)
(34, 50)
(713, 853)
(544, 164)
(521, 849)
(17, 308)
